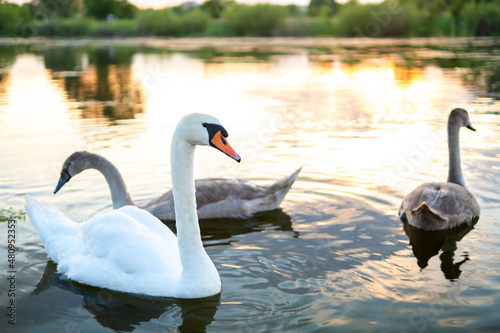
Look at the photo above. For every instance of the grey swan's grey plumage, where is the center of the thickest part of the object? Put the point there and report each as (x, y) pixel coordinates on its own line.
(215, 198)
(130, 250)
(437, 206)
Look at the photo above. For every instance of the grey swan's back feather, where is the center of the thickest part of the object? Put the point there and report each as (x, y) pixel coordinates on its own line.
(222, 198)
(215, 198)
(437, 206)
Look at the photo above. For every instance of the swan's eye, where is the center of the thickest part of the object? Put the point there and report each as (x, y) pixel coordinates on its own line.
(204, 124)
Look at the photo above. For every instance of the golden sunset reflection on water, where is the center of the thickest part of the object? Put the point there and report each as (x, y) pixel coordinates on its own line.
(352, 121)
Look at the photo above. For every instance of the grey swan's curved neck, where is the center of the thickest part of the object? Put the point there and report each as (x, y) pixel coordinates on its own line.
(117, 187)
(454, 168)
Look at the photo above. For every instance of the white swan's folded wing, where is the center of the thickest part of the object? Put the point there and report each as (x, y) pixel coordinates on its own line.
(127, 249)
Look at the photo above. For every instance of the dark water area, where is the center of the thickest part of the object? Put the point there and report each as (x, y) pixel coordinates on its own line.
(366, 119)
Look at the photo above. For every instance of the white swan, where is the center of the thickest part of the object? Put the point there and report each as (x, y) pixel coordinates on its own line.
(130, 250)
(436, 206)
(215, 198)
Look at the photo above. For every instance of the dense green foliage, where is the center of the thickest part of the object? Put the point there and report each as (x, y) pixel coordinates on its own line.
(13, 17)
(100, 9)
(322, 8)
(215, 7)
(390, 18)
(256, 20)
(166, 22)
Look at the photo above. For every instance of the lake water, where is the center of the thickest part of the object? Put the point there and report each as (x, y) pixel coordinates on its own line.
(364, 118)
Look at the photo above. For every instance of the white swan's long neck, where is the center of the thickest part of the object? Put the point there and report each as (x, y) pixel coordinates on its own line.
(117, 187)
(454, 168)
(196, 264)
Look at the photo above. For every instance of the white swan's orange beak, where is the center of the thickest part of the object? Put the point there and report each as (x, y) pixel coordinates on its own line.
(220, 142)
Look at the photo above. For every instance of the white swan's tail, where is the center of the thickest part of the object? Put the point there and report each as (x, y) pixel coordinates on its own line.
(281, 187)
(51, 224)
(38, 216)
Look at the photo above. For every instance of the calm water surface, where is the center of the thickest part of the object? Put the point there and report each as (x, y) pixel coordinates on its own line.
(366, 121)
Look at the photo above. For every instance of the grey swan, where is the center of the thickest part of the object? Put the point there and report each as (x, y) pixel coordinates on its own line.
(438, 206)
(215, 198)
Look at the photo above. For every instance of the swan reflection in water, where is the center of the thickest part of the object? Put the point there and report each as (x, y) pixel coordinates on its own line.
(427, 243)
(221, 231)
(124, 312)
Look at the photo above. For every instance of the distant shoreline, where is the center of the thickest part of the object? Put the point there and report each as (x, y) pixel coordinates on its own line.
(243, 42)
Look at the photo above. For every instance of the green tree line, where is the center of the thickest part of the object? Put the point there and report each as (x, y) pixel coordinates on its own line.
(390, 18)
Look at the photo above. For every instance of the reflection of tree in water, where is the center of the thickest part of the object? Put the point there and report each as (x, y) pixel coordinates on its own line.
(482, 74)
(484, 80)
(493, 82)
(426, 244)
(98, 79)
(8, 54)
(7, 58)
(3, 81)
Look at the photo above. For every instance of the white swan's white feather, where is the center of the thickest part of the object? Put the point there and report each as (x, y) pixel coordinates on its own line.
(127, 249)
